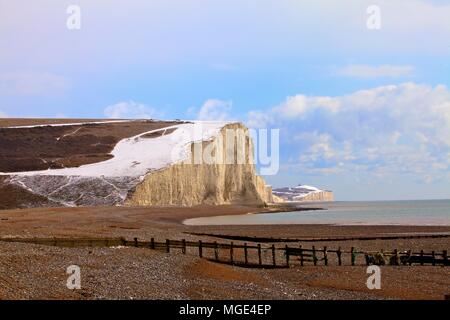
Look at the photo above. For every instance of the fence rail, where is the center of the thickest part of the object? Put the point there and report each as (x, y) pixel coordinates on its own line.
(257, 255)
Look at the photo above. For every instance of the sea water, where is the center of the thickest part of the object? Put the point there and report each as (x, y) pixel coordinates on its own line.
(416, 212)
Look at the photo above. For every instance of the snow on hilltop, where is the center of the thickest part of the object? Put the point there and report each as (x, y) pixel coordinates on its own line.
(298, 193)
(110, 182)
(136, 156)
(137, 164)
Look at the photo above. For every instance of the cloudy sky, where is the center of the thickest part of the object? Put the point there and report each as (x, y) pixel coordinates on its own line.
(363, 112)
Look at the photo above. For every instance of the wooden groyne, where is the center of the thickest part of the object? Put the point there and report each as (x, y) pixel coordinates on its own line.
(257, 255)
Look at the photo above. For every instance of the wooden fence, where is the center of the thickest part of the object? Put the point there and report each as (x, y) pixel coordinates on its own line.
(257, 255)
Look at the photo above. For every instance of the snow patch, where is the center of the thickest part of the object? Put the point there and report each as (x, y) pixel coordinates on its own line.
(66, 124)
(138, 155)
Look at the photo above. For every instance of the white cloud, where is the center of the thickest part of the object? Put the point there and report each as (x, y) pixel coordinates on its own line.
(32, 83)
(214, 109)
(129, 110)
(382, 71)
(258, 119)
(384, 131)
(300, 104)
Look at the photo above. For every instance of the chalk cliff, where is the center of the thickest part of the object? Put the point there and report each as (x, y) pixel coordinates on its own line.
(212, 182)
(183, 164)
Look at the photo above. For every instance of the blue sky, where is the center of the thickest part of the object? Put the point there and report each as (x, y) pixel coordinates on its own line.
(365, 113)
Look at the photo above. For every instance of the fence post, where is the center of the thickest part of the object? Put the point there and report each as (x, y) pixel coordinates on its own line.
(200, 248)
(314, 255)
(259, 254)
(152, 243)
(421, 257)
(245, 253)
(352, 251)
(216, 251)
(287, 255)
(339, 253)
(136, 242)
(274, 262)
(404, 260)
(409, 257)
(396, 257)
(445, 257)
(231, 253)
(301, 256)
(366, 256)
(183, 246)
(433, 257)
(167, 245)
(325, 255)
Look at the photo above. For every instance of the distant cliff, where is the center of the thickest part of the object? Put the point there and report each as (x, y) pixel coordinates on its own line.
(301, 193)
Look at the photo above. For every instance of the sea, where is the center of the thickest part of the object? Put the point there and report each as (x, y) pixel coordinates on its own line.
(411, 212)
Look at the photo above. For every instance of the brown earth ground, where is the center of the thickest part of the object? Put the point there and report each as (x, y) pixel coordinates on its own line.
(44, 147)
(29, 271)
(50, 147)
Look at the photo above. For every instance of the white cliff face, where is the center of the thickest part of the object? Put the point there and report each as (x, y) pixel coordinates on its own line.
(159, 167)
(218, 180)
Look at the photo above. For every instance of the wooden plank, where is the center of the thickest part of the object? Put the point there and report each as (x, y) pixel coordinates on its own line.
(274, 262)
(152, 243)
(245, 253)
(216, 251)
(286, 252)
(314, 255)
(231, 253)
(396, 257)
(259, 254)
(183, 248)
(301, 256)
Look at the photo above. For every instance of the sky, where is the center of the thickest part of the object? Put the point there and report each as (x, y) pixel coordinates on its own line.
(363, 107)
